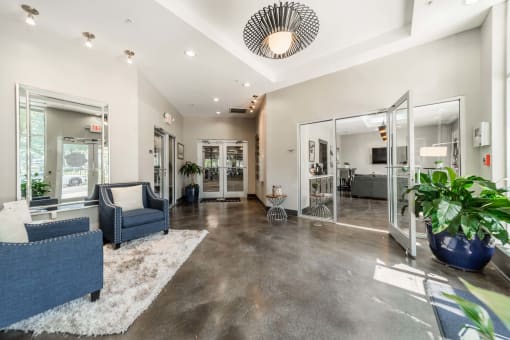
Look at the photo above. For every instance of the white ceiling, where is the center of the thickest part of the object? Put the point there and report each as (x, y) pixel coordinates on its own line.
(351, 32)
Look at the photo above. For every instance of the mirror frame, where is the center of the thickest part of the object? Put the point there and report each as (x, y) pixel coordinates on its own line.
(105, 111)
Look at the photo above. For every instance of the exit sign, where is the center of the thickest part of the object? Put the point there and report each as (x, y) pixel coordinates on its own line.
(95, 128)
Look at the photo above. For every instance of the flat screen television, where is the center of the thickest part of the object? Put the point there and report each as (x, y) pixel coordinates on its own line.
(379, 156)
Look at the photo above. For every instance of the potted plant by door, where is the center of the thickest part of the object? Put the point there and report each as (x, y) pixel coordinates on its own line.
(190, 170)
(463, 215)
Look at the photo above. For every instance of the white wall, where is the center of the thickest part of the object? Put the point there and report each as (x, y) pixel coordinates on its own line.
(493, 79)
(442, 69)
(36, 58)
(151, 106)
(197, 128)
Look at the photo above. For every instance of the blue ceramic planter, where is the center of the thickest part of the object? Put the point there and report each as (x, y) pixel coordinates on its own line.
(459, 252)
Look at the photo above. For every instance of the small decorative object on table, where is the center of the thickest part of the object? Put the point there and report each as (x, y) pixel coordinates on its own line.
(276, 213)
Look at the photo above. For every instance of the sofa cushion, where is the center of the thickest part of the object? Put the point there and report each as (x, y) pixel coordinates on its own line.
(13, 217)
(128, 198)
(134, 218)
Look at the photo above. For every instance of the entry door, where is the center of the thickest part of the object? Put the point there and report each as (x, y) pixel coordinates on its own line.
(210, 157)
(401, 170)
(225, 172)
(78, 169)
(235, 171)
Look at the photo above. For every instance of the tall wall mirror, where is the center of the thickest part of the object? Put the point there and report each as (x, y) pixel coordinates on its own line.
(63, 149)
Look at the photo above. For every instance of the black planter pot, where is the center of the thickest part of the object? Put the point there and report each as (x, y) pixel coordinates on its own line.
(459, 252)
(189, 194)
(197, 192)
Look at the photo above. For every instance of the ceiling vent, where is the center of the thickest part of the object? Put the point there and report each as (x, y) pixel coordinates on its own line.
(238, 110)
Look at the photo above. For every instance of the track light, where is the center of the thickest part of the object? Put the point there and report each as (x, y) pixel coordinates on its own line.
(89, 36)
(31, 13)
(130, 55)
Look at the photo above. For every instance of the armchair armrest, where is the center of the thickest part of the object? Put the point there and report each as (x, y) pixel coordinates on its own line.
(110, 217)
(159, 204)
(40, 275)
(43, 231)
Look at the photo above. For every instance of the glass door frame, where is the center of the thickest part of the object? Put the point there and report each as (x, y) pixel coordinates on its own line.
(222, 168)
(407, 241)
(300, 161)
(167, 174)
(200, 161)
(243, 193)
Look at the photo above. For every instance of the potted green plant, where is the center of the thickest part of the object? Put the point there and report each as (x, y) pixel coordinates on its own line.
(478, 315)
(463, 216)
(439, 164)
(190, 170)
(39, 187)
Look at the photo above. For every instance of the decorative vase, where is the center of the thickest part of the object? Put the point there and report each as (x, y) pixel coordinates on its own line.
(459, 252)
(190, 194)
(197, 192)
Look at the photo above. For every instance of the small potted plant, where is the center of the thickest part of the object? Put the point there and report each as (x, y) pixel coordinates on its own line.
(463, 216)
(39, 187)
(439, 164)
(190, 170)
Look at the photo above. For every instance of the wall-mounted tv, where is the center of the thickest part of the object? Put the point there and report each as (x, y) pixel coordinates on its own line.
(380, 155)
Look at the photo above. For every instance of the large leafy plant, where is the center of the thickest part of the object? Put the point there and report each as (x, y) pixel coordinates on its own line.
(470, 205)
(190, 169)
(478, 315)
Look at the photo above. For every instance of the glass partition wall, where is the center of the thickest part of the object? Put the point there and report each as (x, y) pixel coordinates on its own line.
(360, 158)
(317, 170)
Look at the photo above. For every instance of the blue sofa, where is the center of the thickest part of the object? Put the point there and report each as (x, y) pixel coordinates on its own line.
(119, 226)
(62, 261)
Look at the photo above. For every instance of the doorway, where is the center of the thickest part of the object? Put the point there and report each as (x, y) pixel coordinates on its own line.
(78, 168)
(164, 165)
(225, 168)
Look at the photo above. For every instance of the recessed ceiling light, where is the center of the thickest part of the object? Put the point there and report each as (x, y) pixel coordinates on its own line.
(31, 13)
(218, 112)
(190, 53)
(130, 54)
(89, 36)
(216, 99)
(246, 84)
(470, 2)
(251, 111)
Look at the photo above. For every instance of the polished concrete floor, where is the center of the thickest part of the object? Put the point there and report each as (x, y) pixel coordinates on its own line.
(298, 280)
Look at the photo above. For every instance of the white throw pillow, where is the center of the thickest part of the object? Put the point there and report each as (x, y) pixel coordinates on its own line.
(128, 198)
(13, 217)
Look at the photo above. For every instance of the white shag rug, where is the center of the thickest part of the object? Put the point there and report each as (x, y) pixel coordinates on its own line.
(134, 275)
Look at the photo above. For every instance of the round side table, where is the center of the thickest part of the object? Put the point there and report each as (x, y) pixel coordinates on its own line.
(276, 213)
(319, 208)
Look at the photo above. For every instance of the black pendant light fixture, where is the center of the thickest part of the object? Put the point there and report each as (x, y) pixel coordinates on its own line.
(281, 30)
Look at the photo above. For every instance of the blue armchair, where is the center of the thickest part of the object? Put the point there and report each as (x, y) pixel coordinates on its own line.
(62, 261)
(119, 226)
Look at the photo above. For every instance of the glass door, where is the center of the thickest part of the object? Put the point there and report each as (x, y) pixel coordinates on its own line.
(170, 192)
(236, 179)
(401, 170)
(317, 198)
(210, 158)
(159, 163)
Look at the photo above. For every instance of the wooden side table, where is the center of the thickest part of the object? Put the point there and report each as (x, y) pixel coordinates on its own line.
(276, 213)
